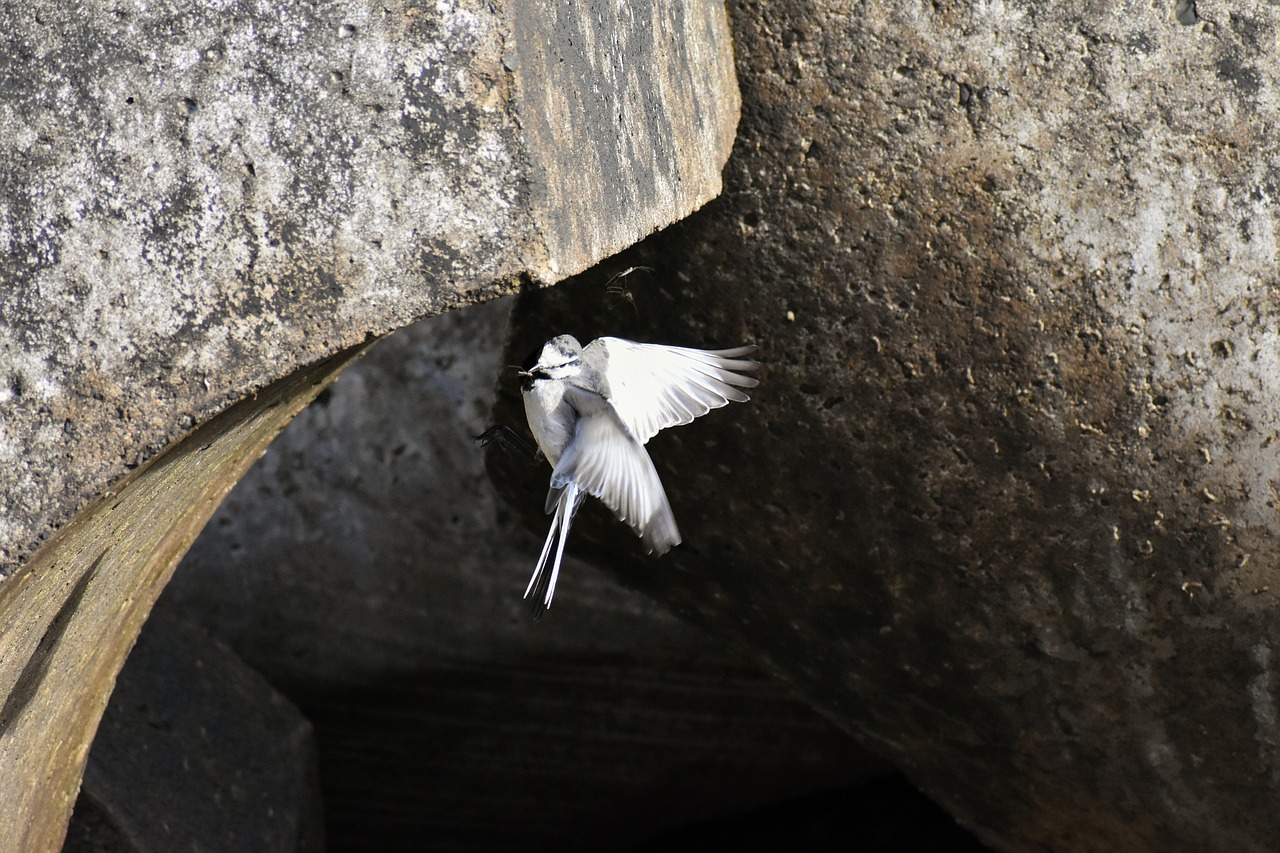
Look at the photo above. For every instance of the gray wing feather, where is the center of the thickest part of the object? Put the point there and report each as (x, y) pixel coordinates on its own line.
(653, 387)
(605, 461)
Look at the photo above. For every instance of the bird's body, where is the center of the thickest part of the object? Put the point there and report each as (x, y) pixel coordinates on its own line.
(592, 409)
(550, 417)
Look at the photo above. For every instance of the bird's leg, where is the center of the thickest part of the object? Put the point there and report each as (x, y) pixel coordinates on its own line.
(512, 443)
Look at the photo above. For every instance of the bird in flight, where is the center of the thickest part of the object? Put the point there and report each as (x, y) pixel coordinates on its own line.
(592, 409)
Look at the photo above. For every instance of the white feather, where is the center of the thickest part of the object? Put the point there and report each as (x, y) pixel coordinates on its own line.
(606, 462)
(653, 387)
(566, 506)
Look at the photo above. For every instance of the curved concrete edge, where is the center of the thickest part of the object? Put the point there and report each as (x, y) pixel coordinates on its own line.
(69, 618)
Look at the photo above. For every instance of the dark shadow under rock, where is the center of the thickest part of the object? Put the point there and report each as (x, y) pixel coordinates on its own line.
(564, 754)
(197, 752)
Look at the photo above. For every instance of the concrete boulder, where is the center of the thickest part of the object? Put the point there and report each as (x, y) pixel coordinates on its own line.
(1005, 502)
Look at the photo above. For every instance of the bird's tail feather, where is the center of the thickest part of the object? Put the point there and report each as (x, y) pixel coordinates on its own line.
(542, 585)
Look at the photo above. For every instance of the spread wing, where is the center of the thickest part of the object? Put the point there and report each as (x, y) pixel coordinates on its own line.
(653, 387)
(603, 460)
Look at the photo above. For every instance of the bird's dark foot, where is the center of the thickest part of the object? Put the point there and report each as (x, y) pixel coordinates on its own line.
(511, 442)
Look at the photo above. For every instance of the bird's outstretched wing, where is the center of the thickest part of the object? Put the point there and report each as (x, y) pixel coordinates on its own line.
(653, 387)
(605, 461)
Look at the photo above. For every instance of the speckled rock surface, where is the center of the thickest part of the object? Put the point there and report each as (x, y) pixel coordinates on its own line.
(1005, 501)
(195, 200)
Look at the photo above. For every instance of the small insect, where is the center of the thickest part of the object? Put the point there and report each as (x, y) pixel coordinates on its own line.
(617, 293)
(511, 442)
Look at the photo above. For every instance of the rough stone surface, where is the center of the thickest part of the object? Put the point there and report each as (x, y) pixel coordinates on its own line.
(1005, 502)
(662, 61)
(197, 752)
(197, 199)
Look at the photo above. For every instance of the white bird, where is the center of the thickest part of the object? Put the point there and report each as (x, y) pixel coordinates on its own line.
(592, 410)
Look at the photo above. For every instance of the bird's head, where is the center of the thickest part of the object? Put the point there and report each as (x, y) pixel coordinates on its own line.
(558, 358)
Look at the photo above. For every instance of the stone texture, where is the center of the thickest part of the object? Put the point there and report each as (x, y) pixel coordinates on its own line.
(197, 752)
(1005, 502)
(196, 200)
(656, 81)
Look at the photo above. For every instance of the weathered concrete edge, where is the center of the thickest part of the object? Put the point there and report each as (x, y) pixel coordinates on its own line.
(670, 96)
(70, 616)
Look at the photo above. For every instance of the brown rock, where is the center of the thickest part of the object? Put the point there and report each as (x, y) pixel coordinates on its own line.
(1004, 503)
